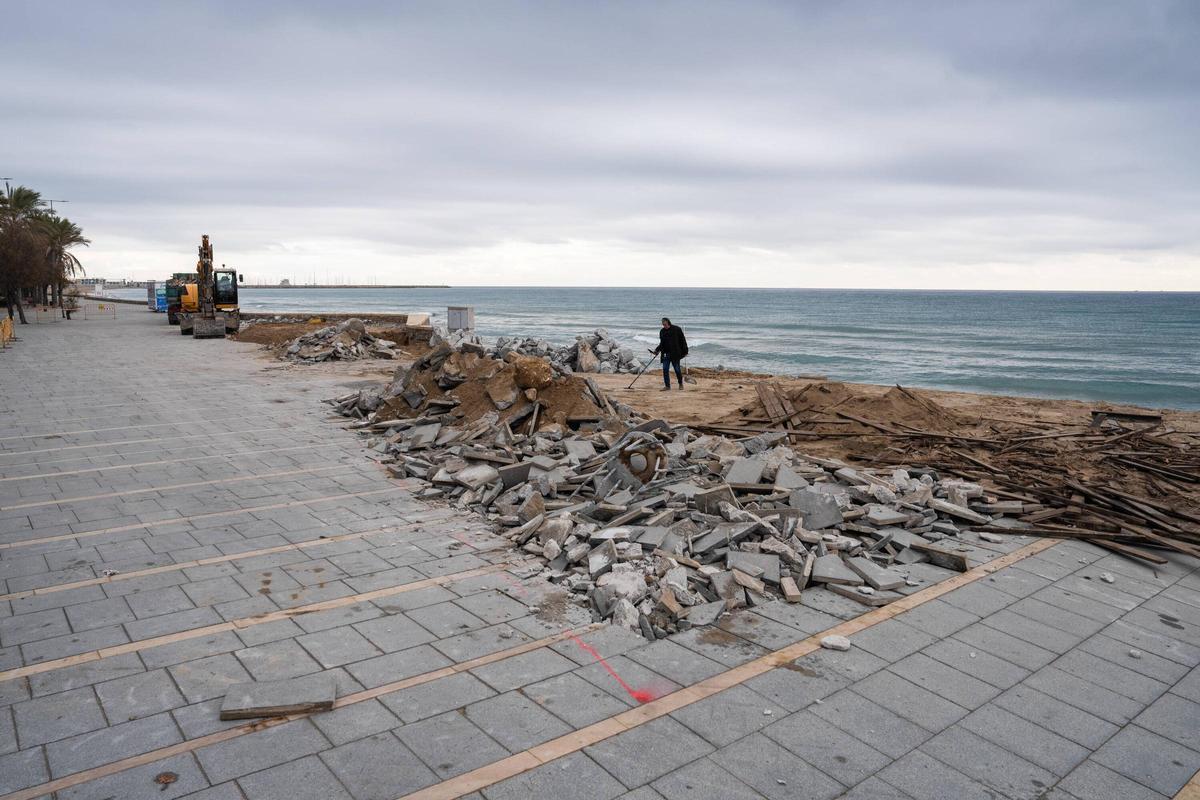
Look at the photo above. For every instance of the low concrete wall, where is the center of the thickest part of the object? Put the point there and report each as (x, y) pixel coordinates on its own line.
(374, 319)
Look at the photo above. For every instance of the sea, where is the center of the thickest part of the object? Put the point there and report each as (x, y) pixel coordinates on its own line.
(1121, 347)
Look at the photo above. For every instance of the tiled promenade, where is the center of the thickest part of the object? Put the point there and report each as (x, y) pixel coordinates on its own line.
(178, 515)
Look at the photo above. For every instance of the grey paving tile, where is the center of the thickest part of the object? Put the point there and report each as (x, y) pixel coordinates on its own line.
(938, 618)
(110, 744)
(57, 716)
(1147, 664)
(209, 677)
(575, 776)
(33, 626)
(478, 643)
(378, 766)
(337, 646)
(1055, 715)
(574, 700)
(1003, 645)
(392, 667)
(260, 750)
(623, 679)
(303, 779)
(703, 779)
(140, 695)
(924, 777)
(523, 669)
(1085, 695)
(1026, 739)
(729, 715)
(718, 645)
(831, 750)
(989, 763)
(87, 673)
(875, 789)
(1093, 781)
(1149, 759)
(646, 753)
(1127, 681)
(775, 772)
(429, 699)
(944, 680)
(277, 660)
(23, 769)
(908, 700)
(139, 783)
(515, 721)
(865, 720)
(892, 640)
(450, 744)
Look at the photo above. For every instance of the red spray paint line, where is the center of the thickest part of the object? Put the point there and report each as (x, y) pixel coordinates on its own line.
(640, 695)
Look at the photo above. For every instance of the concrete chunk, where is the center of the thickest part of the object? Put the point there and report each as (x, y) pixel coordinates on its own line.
(953, 510)
(275, 698)
(876, 576)
(818, 510)
(745, 470)
(831, 569)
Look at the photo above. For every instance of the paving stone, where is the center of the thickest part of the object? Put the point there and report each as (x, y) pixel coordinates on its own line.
(1156, 642)
(944, 681)
(988, 763)
(938, 618)
(866, 720)
(718, 645)
(523, 669)
(1055, 715)
(110, 744)
(355, 721)
(729, 715)
(445, 619)
(1151, 666)
(875, 789)
(907, 699)
(1030, 630)
(140, 695)
(1085, 695)
(138, 783)
(57, 716)
(1025, 739)
(22, 769)
(277, 660)
(831, 750)
(1003, 645)
(337, 646)
(977, 663)
(515, 721)
(450, 744)
(924, 777)
(260, 750)
(87, 673)
(892, 640)
(574, 700)
(645, 753)
(102, 613)
(775, 772)
(703, 779)
(378, 766)
(1093, 781)
(190, 649)
(575, 776)
(492, 606)
(1151, 760)
(209, 677)
(1126, 681)
(632, 676)
(429, 699)
(392, 667)
(302, 779)
(794, 615)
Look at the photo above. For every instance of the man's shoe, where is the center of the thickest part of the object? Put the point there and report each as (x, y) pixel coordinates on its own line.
(665, 389)
(681, 387)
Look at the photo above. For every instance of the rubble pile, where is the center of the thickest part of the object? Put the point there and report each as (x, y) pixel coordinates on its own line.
(658, 527)
(346, 341)
(593, 352)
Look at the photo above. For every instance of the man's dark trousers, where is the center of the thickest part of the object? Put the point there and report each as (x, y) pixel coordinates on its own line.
(667, 363)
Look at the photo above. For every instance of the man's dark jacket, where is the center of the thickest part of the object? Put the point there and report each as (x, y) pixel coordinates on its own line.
(671, 343)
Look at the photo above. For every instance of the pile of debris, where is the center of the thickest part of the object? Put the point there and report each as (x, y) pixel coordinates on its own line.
(346, 341)
(593, 352)
(658, 527)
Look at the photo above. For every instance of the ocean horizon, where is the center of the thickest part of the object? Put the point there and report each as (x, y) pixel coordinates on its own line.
(1121, 347)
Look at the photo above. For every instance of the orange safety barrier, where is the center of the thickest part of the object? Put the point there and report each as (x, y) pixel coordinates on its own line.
(6, 331)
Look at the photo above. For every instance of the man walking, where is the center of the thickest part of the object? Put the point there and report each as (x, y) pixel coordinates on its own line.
(672, 348)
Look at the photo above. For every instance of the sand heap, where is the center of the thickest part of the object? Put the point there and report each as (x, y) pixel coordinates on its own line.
(346, 341)
(828, 401)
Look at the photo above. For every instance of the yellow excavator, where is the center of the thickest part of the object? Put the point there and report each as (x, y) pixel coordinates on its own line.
(208, 308)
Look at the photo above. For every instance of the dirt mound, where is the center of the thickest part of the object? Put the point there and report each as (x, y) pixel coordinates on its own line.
(897, 407)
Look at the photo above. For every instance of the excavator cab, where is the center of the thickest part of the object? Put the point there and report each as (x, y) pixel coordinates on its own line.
(225, 291)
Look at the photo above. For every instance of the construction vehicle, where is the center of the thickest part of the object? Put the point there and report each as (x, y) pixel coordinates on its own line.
(209, 307)
(176, 286)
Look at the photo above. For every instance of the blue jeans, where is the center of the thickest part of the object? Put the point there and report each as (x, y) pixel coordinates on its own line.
(667, 363)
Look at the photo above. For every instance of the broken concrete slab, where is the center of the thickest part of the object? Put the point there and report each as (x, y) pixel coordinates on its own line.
(275, 698)
(954, 510)
(876, 576)
(767, 563)
(832, 569)
(745, 471)
(818, 510)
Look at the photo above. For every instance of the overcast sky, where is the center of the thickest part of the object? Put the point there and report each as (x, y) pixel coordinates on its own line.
(1041, 145)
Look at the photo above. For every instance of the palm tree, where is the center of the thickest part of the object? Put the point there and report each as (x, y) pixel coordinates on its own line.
(21, 243)
(61, 264)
